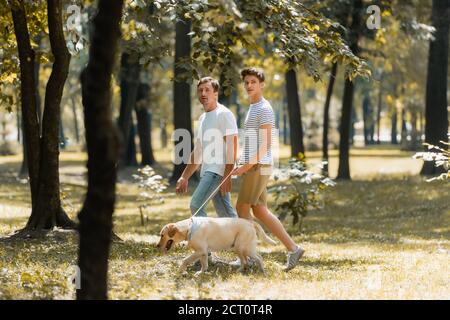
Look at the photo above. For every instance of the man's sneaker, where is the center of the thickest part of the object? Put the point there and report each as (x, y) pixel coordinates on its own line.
(293, 258)
(237, 263)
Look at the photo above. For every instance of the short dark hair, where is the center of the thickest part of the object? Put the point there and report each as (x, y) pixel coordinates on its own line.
(214, 83)
(257, 72)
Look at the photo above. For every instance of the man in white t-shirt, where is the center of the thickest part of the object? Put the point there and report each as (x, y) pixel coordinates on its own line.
(215, 149)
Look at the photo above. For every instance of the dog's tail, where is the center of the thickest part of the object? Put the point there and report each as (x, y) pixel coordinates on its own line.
(262, 235)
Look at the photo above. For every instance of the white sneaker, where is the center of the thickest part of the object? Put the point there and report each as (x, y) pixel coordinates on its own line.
(237, 263)
(293, 258)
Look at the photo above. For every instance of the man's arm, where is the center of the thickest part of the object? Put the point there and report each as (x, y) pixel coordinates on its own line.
(266, 144)
(192, 166)
(231, 144)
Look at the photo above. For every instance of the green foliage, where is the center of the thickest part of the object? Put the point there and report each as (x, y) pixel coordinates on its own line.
(224, 29)
(440, 156)
(297, 190)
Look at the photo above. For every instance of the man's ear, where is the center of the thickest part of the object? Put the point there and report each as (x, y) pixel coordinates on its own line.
(172, 230)
(263, 84)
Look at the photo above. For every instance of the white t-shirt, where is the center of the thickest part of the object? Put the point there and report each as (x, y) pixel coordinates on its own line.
(212, 127)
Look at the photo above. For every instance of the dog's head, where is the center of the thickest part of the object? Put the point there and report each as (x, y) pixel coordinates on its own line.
(170, 235)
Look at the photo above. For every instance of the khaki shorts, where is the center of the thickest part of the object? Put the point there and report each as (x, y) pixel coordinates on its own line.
(253, 189)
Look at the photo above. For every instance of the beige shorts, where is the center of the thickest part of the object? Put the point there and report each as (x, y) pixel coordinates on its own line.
(253, 189)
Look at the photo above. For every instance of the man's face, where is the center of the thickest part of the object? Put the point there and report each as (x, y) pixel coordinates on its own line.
(253, 86)
(206, 94)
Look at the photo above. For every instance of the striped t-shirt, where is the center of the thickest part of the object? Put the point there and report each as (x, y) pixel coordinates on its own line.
(259, 114)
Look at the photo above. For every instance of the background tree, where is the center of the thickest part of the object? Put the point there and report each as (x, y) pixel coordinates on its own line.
(102, 145)
(42, 152)
(436, 126)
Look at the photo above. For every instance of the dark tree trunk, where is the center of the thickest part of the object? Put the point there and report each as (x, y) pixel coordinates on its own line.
(144, 125)
(394, 127)
(28, 95)
(163, 133)
(380, 107)
(436, 114)
(129, 83)
(295, 117)
(223, 98)
(404, 133)
(347, 101)
(47, 212)
(24, 167)
(234, 99)
(367, 119)
(75, 120)
(103, 152)
(37, 66)
(285, 124)
(130, 155)
(62, 135)
(326, 119)
(182, 93)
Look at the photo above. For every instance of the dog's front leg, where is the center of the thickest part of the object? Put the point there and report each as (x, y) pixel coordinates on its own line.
(187, 261)
(204, 262)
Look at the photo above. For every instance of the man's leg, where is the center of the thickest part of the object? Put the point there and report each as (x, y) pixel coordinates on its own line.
(202, 192)
(243, 210)
(262, 213)
(223, 205)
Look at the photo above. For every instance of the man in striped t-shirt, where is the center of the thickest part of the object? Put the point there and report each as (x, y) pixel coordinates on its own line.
(255, 164)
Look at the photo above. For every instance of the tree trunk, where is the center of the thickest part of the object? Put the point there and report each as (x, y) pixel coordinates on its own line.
(144, 125)
(367, 119)
(62, 135)
(129, 82)
(75, 120)
(436, 114)
(404, 133)
(347, 101)
(47, 212)
(182, 94)
(394, 127)
(103, 152)
(380, 106)
(28, 95)
(326, 119)
(37, 65)
(130, 154)
(295, 117)
(163, 133)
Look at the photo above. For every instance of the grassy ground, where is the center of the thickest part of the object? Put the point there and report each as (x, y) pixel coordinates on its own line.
(386, 235)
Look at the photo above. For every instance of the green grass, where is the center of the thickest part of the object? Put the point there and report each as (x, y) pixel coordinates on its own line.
(386, 235)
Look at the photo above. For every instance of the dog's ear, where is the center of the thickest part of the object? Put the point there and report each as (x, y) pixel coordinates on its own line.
(172, 230)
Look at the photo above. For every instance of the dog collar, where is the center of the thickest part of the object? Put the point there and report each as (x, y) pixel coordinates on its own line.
(194, 226)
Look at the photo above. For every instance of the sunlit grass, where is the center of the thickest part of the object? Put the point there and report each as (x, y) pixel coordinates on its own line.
(383, 236)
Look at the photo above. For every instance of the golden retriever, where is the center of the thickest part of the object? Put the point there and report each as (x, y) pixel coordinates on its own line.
(213, 234)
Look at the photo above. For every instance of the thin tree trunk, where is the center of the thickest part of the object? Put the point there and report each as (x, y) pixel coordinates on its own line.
(47, 212)
(130, 155)
(128, 93)
(380, 106)
(75, 120)
(28, 95)
(347, 101)
(182, 94)
(37, 65)
(103, 152)
(144, 125)
(326, 119)
(394, 127)
(404, 132)
(295, 116)
(436, 114)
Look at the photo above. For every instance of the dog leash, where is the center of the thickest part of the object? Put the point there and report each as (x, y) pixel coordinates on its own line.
(212, 194)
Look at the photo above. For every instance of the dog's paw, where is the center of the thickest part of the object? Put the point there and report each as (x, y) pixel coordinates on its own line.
(198, 274)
